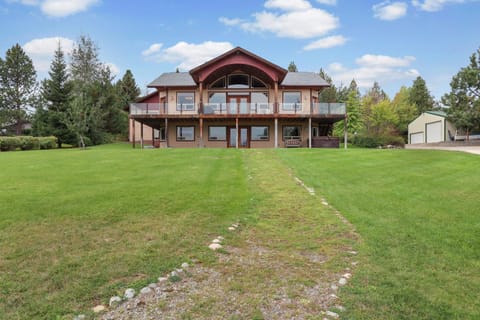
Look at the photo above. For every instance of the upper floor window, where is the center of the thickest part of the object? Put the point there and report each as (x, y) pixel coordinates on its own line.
(238, 81)
(292, 100)
(185, 101)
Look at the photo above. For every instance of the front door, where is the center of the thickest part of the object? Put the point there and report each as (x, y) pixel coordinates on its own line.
(238, 104)
(242, 139)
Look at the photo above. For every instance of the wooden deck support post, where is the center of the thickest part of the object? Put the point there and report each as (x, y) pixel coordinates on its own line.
(201, 133)
(141, 135)
(238, 134)
(345, 133)
(310, 133)
(166, 132)
(133, 133)
(276, 132)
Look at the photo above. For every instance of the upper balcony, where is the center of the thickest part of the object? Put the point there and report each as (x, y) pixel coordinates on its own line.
(225, 109)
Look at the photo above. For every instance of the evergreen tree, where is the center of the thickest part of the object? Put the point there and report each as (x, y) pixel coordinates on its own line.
(464, 98)
(420, 96)
(327, 94)
(18, 88)
(376, 93)
(127, 88)
(292, 67)
(353, 105)
(57, 92)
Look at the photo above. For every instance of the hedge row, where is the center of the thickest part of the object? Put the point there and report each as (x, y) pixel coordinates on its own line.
(27, 143)
(378, 141)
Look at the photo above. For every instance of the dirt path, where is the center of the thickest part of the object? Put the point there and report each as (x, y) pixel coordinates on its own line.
(283, 262)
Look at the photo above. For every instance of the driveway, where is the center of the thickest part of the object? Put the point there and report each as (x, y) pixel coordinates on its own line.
(469, 149)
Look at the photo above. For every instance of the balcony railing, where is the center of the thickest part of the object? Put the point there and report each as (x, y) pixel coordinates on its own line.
(238, 108)
(328, 108)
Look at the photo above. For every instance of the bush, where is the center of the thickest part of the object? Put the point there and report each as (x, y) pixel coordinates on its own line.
(9, 143)
(48, 142)
(28, 143)
(378, 141)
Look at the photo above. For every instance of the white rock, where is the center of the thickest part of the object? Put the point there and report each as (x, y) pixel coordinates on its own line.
(231, 229)
(152, 285)
(342, 281)
(216, 241)
(99, 308)
(235, 225)
(347, 275)
(179, 271)
(325, 203)
(353, 252)
(174, 274)
(333, 296)
(162, 279)
(80, 317)
(114, 301)
(129, 293)
(185, 265)
(341, 308)
(334, 287)
(354, 263)
(215, 246)
(332, 314)
(146, 290)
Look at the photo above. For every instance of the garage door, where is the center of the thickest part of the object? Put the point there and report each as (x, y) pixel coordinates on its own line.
(416, 138)
(434, 132)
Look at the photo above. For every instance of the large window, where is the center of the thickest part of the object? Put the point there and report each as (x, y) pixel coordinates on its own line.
(238, 81)
(185, 101)
(217, 133)
(292, 132)
(259, 133)
(292, 101)
(186, 133)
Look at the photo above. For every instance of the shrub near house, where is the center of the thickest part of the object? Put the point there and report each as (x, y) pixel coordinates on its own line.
(27, 143)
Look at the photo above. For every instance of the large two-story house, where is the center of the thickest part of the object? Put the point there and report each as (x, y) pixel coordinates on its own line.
(236, 100)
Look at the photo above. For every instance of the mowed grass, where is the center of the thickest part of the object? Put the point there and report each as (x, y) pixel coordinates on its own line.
(77, 227)
(418, 213)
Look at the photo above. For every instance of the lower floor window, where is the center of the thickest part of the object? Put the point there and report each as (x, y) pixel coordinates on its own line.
(259, 133)
(186, 133)
(217, 133)
(291, 132)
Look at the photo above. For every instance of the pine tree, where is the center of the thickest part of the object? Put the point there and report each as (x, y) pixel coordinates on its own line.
(292, 67)
(420, 96)
(327, 94)
(464, 98)
(18, 87)
(127, 88)
(376, 93)
(57, 92)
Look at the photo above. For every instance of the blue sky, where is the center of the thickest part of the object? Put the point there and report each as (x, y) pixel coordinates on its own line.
(391, 42)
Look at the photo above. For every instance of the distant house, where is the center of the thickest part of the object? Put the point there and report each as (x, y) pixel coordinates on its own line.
(236, 100)
(431, 127)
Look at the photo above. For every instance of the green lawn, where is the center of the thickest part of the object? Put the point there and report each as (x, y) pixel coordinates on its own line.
(418, 213)
(77, 227)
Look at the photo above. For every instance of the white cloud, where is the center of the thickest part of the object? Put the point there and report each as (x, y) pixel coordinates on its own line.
(372, 60)
(189, 55)
(389, 11)
(114, 69)
(230, 22)
(154, 48)
(41, 50)
(59, 8)
(324, 43)
(295, 24)
(328, 2)
(288, 5)
(435, 5)
(371, 68)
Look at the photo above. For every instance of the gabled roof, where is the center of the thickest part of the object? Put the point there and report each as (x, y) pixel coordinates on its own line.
(238, 55)
(438, 113)
(301, 79)
(173, 79)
